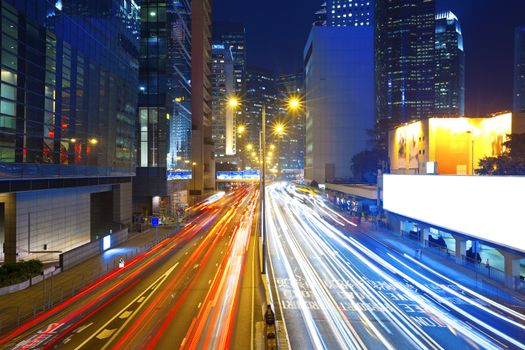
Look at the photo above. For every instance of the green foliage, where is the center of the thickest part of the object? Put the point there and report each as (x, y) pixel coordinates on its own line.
(366, 163)
(512, 162)
(13, 273)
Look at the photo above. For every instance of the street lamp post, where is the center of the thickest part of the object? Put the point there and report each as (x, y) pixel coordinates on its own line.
(263, 188)
(293, 104)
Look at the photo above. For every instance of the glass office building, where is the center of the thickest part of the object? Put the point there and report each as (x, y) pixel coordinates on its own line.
(67, 123)
(450, 66)
(223, 118)
(405, 60)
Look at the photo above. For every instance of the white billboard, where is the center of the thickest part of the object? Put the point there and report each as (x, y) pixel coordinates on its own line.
(490, 208)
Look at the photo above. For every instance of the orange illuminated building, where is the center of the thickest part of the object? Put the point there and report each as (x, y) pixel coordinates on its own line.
(447, 145)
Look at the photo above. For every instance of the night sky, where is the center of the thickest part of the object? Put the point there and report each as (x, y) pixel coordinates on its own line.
(277, 31)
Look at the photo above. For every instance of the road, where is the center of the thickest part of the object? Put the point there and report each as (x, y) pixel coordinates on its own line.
(340, 289)
(184, 293)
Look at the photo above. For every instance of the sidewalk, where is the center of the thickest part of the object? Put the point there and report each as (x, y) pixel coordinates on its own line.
(447, 266)
(20, 306)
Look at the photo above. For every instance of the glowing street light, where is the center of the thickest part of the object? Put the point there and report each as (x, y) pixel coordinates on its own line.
(233, 102)
(279, 129)
(241, 129)
(294, 103)
(93, 141)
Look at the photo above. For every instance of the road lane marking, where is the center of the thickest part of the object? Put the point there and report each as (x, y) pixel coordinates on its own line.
(125, 315)
(80, 329)
(152, 288)
(106, 333)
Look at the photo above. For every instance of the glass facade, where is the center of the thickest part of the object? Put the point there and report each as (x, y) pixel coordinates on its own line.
(223, 121)
(405, 60)
(260, 89)
(69, 73)
(450, 66)
(165, 84)
(233, 36)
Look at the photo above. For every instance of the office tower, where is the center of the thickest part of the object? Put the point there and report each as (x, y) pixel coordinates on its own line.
(233, 36)
(260, 90)
(405, 61)
(350, 13)
(203, 172)
(179, 84)
(164, 113)
(223, 121)
(339, 79)
(519, 71)
(291, 146)
(339, 102)
(450, 66)
(67, 123)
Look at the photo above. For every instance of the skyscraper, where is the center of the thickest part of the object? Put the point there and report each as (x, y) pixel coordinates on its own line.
(339, 79)
(67, 123)
(179, 84)
(164, 114)
(350, 13)
(203, 170)
(405, 61)
(339, 93)
(519, 71)
(260, 89)
(233, 36)
(450, 66)
(223, 120)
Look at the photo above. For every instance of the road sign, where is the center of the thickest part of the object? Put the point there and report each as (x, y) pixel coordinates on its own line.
(155, 221)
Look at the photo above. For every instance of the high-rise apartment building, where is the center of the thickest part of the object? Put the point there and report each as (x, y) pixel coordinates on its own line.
(223, 120)
(519, 71)
(450, 66)
(67, 123)
(405, 61)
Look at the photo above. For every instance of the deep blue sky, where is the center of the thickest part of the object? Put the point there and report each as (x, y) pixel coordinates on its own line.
(277, 31)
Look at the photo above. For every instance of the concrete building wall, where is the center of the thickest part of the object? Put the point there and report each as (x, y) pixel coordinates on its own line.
(339, 67)
(122, 198)
(52, 221)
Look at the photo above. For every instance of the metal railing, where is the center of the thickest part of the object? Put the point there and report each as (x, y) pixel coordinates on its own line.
(53, 294)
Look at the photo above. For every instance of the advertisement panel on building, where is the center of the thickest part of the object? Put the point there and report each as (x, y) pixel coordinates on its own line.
(488, 208)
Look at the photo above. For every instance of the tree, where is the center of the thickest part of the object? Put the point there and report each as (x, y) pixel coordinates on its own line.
(511, 162)
(365, 164)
